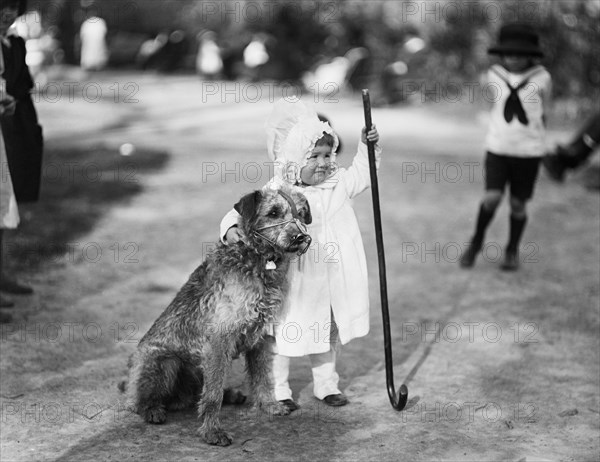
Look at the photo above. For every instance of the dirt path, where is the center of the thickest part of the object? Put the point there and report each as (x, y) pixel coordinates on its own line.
(514, 357)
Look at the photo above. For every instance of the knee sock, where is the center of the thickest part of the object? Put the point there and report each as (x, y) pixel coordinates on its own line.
(517, 225)
(483, 220)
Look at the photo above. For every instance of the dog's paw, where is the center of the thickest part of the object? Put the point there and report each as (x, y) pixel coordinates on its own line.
(280, 408)
(216, 437)
(157, 415)
(273, 408)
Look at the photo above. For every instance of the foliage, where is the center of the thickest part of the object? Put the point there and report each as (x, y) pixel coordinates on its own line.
(304, 33)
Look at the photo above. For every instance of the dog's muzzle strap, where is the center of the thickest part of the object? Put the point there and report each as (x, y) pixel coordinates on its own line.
(289, 201)
(302, 240)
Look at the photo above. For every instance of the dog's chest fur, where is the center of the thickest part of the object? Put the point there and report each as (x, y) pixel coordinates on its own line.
(232, 293)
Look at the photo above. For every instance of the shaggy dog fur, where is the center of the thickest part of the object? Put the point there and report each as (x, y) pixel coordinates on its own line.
(221, 311)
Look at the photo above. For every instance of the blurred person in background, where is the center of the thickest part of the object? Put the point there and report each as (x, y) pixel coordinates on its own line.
(22, 135)
(515, 142)
(208, 59)
(332, 75)
(256, 56)
(94, 52)
(9, 212)
(165, 53)
(149, 49)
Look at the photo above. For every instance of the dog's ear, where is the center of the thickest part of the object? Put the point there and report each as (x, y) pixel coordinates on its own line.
(246, 207)
(305, 213)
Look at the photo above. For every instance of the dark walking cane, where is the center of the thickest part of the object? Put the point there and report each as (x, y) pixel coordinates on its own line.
(398, 400)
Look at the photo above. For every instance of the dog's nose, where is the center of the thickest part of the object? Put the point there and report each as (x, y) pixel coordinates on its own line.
(303, 241)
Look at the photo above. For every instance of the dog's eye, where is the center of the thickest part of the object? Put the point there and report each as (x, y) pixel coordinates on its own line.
(273, 214)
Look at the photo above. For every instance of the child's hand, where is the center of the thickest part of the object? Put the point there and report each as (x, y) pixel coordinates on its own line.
(372, 136)
(233, 235)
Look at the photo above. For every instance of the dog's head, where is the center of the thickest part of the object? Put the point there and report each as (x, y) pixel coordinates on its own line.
(277, 218)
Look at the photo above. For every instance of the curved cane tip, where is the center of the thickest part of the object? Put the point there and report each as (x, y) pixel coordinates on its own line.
(402, 398)
(403, 390)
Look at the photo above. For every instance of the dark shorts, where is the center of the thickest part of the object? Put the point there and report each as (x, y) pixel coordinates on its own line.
(520, 172)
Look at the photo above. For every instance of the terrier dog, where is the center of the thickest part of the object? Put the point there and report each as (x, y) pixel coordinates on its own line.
(222, 310)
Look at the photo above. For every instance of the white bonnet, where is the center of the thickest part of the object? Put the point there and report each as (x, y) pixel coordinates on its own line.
(292, 132)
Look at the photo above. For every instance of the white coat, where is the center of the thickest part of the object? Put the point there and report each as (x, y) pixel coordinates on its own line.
(332, 276)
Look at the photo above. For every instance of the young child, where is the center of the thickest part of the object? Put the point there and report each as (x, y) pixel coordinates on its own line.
(328, 299)
(516, 135)
(22, 135)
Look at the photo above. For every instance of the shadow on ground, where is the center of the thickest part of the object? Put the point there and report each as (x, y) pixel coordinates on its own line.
(255, 435)
(78, 186)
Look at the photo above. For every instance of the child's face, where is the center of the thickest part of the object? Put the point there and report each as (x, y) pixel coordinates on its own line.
(8, 14)
(318, 167)
(516, 63)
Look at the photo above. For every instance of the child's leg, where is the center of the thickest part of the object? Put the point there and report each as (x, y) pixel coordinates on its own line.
(487, 209)
(8, 283)
(325, 377)
(4, 302)
(496, 175)
(281, 372)
(521, 190)
(518, 220)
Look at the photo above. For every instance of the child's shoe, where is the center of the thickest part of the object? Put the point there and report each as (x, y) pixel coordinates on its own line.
(336, 400)
(468, 257)
(290, 404)
(511, 261)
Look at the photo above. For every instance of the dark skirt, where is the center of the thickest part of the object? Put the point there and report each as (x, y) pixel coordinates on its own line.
(24, 150)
